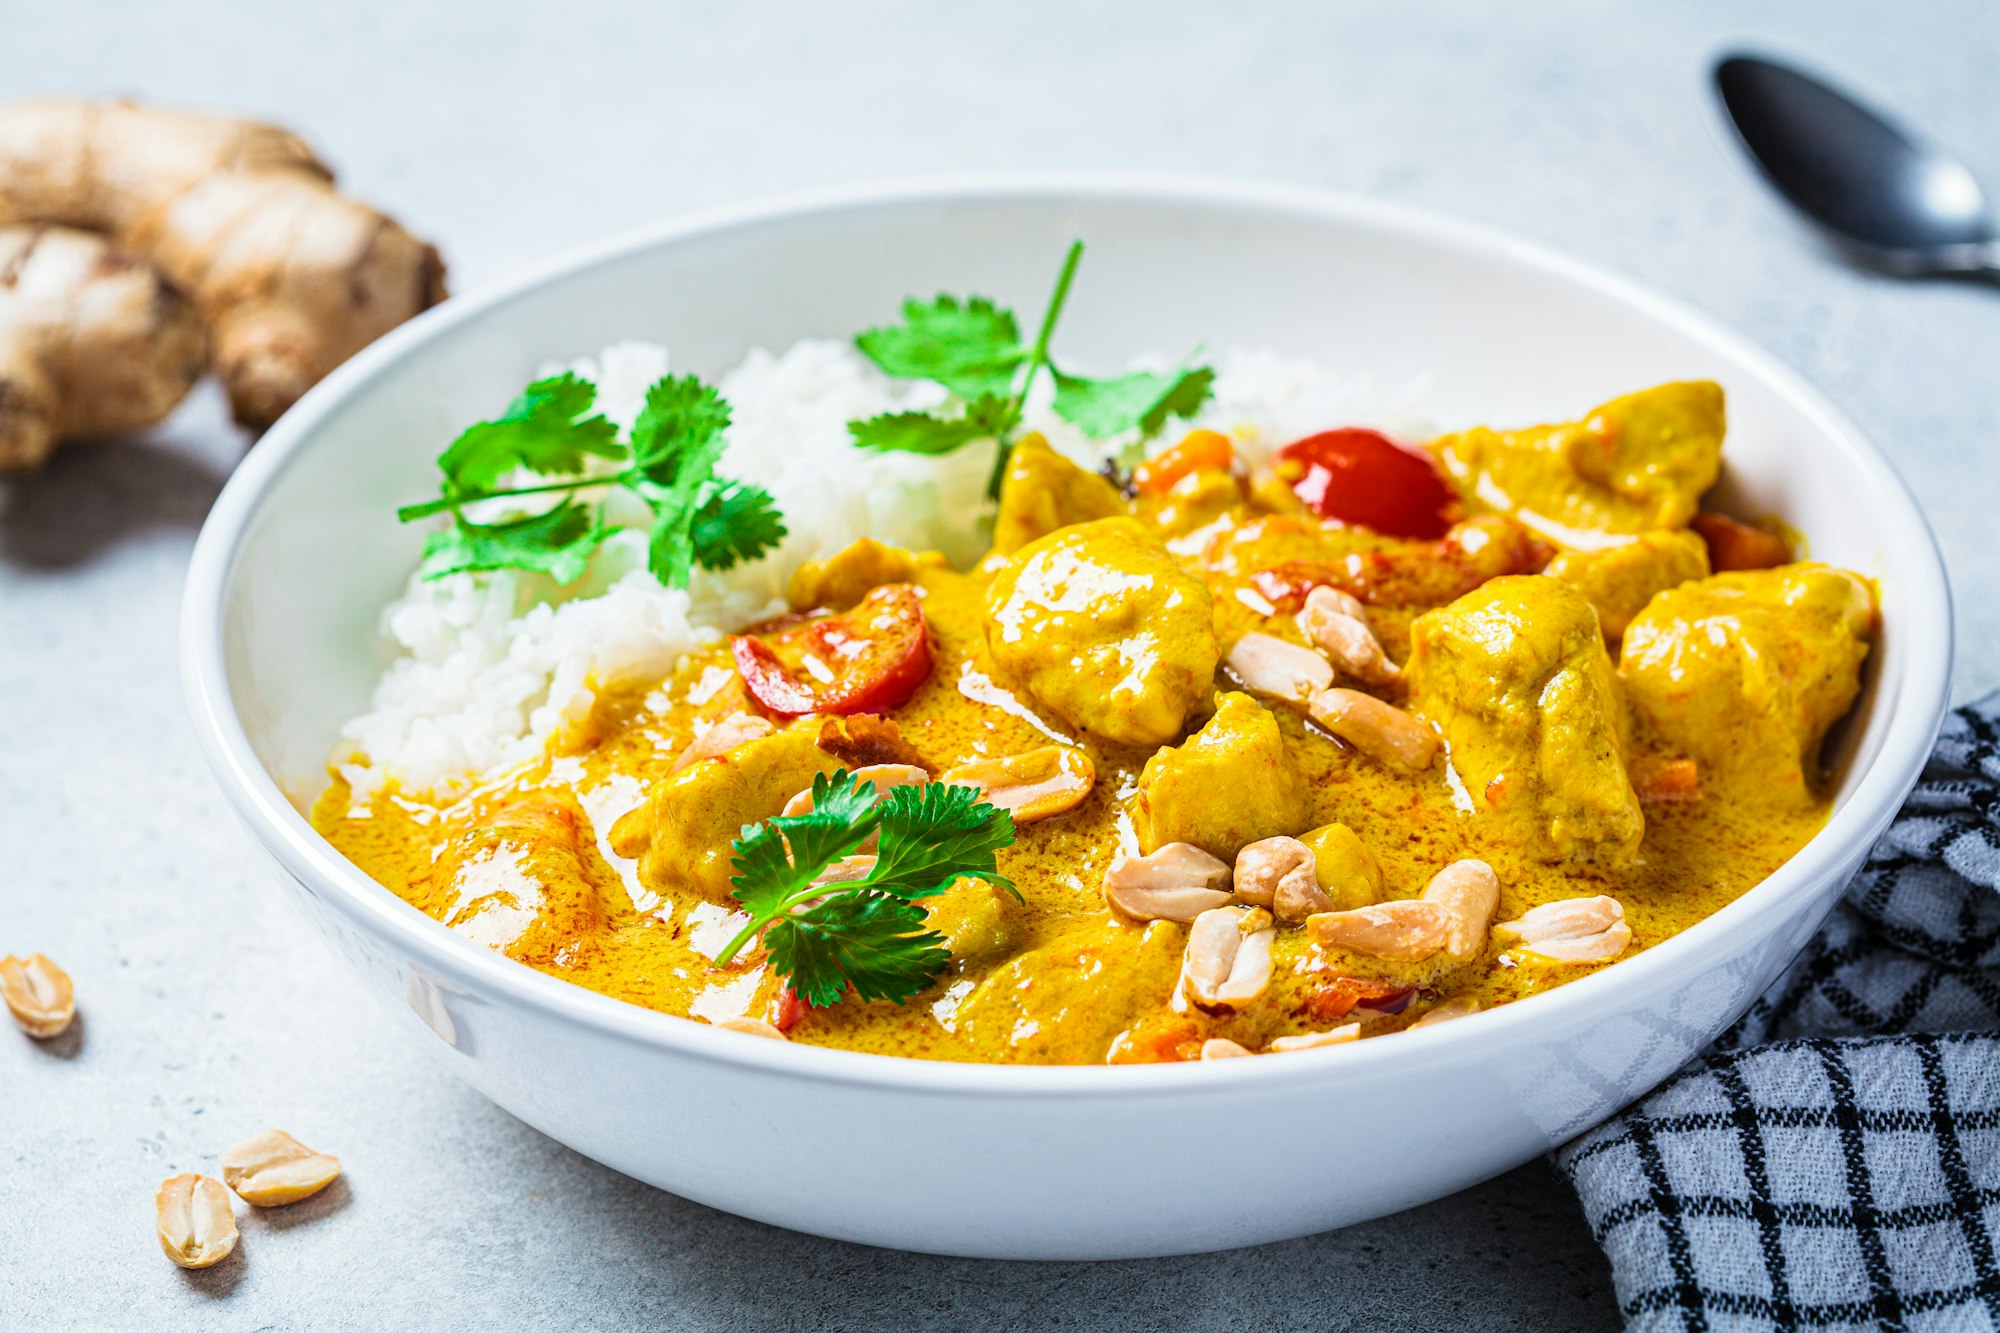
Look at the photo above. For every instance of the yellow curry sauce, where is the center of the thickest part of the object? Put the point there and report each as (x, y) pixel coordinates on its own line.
(1671, 772)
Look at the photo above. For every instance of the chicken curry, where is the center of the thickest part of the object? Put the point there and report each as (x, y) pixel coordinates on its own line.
(1374, 737)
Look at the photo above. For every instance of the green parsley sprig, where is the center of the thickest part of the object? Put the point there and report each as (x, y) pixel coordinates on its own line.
(698, 517)
(973, 348)
(867, 933)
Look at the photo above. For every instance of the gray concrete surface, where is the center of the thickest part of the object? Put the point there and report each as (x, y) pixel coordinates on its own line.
(508, 131)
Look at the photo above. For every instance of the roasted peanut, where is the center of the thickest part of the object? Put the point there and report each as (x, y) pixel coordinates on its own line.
(38, 994)
(1176, 883)
(1470, 891)
(722, 737)
(1337, 624)
(884, 776)
(1347, 870)
(1405, 931)
(1222, 1048)
(1380, 731)
(274, 1168)
(1268, 665)
(752, 1027)
(1307, 1041)
(1228, 959)
(1572, 930)
(1281, 874)
(1444, 1013)
(194, 1221)
(1044, 782)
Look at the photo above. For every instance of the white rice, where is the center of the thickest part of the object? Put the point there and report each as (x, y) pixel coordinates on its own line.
(492, 666)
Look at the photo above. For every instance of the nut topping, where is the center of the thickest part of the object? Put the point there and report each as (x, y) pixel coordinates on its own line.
(1572, 930)
(274, 1168)
(38, 994)
(1282, 874)
(195, 1224)
(1268, 665)
(1337, 624)
(1228, 959)
(1048, 781)
(1176, 883)
(1307, 1041)
(1380, 731)
(1222, 1048)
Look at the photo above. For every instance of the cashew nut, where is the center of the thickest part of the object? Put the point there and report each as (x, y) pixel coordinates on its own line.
(1381, 731)
(1470, 891)
(1282, 874)
(1337, 624)
(1228, 958)
(722, 737)
(1043, 782)
(1571, 930)
(1405, 931)
(1307, 1041)
(1178, 882)
(1222, 1048)
(884, 776)
(1268, 665)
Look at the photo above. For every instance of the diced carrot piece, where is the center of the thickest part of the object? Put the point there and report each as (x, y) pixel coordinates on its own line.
(1200, 449)
(1675, 780)
(1734, 545)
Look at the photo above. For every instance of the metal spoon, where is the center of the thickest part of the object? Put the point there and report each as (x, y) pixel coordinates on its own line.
(1882, 196)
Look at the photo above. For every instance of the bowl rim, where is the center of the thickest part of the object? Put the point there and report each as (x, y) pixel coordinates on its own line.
(1915, 712)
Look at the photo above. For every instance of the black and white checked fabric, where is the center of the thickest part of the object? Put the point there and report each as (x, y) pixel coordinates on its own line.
(1833, 1161)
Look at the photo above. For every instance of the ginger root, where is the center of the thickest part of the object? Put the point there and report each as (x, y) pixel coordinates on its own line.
(291, 277)
(92, 340)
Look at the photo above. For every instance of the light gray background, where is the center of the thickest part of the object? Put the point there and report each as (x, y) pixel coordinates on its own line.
(507, 131)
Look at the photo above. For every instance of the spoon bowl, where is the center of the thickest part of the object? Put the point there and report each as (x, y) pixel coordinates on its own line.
(1879, 193)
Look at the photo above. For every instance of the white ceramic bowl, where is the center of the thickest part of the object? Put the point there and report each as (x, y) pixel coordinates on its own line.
(302, 551)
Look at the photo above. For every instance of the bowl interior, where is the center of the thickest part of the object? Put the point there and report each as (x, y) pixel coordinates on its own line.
(1504, 334)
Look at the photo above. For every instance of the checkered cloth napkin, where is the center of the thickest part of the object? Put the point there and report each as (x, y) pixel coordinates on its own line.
(1833, 1161)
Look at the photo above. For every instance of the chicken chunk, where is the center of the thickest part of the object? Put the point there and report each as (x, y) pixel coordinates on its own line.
(1044, 491)
(527, 880)
(1100, 625)
(1744, 672)
(1063, 1002)
(1516, 677)
(1230, 784)
(681, 835)
(1620, 580)
(1634, 464)
(839, 582)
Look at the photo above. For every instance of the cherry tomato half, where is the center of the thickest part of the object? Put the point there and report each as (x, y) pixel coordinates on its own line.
(1360, 477)
(1733, 545)
(871, 658)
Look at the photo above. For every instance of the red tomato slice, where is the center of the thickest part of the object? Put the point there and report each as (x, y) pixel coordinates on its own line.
(1360, 477)
(875, 655)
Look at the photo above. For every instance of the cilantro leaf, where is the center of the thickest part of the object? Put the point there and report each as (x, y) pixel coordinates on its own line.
(925, 433)
(872, 941)
(936, 833)
(1142, 400)
(557, 543)
(543, 430)
(736, 522)
(868, 934)
(680, 427)
(779, 858)
(971, 347)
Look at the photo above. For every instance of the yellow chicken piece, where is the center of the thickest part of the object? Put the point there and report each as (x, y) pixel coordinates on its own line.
(1058, 1004)
(1044, 491)
(1100, 625)
(527, 880)
(681, 836)
(1744, 672)
(1634, 464)
(1516, 677)
(1620, 580)
(839, 582)
(1228, 785)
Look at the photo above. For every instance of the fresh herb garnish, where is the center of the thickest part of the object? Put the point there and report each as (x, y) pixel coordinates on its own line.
(698, 518)
(868, 933)
(973, 348)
